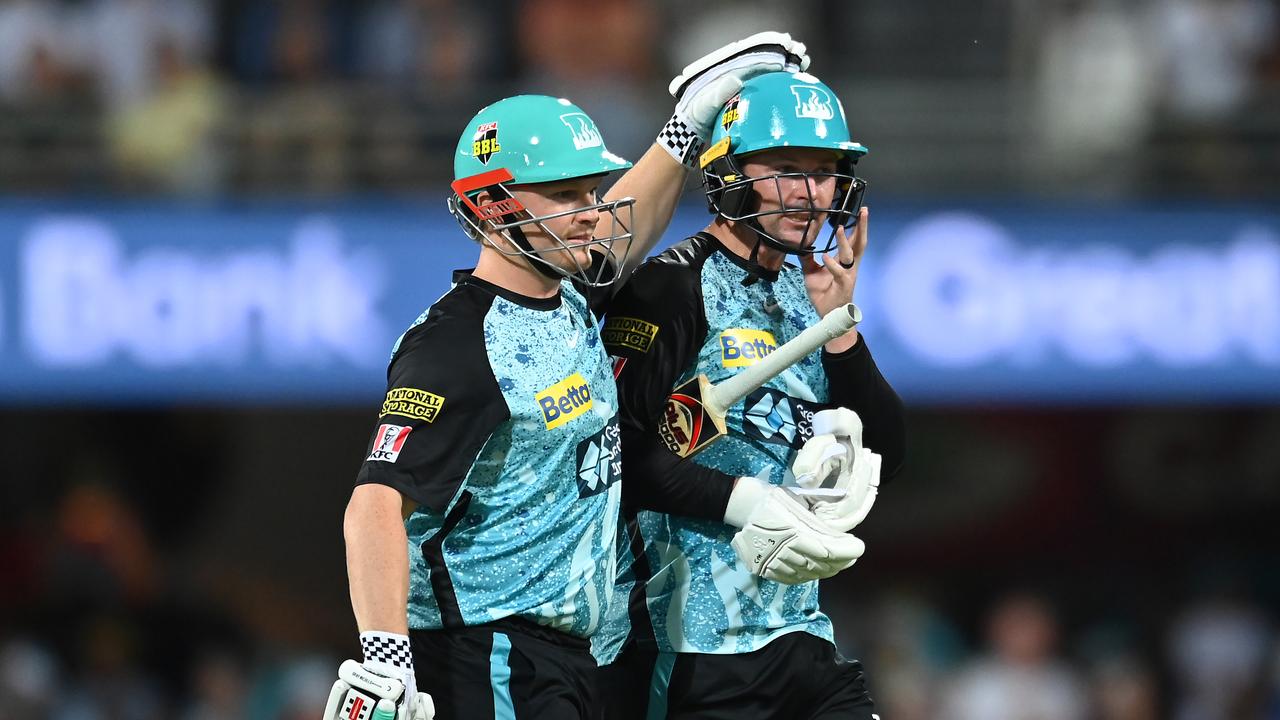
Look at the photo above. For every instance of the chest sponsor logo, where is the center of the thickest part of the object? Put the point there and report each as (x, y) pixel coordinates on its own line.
(485, 142)
(740, 347)
(629, 332)
(776, 417)
(564, 401)
(600, 460)
(388, 442)
(412, 403)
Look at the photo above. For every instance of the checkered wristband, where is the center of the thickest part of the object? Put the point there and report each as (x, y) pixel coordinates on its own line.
(681, 140)
(387, 648)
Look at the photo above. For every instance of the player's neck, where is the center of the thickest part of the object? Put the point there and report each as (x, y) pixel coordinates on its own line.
(514, 274)
(740, 239)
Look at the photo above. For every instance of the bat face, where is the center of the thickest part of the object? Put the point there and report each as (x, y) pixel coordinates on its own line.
(687, 426)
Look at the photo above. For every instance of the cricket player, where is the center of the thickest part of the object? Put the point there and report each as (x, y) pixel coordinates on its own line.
(481, 534)
(720, 627)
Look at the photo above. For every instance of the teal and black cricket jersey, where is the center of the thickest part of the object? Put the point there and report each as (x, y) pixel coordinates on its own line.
(500, 422)
(700, 309)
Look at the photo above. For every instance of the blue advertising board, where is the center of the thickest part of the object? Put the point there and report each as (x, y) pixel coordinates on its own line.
(294, 303)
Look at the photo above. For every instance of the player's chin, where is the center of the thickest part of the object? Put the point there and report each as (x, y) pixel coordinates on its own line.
(574, 257)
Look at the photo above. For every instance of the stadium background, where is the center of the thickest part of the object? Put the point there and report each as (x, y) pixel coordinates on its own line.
(217, 215)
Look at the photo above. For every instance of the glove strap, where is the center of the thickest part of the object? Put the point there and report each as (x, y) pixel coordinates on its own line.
(392, 654)
(389, 648)
(679, 139)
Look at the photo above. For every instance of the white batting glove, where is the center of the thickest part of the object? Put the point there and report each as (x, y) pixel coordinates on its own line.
(781, 539)
(383, 687)
(839, 478)
(706, 84)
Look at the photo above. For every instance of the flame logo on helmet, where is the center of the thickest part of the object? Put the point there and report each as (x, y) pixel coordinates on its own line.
(585, 134)
(813, 102)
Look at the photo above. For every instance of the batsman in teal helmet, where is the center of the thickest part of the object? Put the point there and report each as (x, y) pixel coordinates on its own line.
(731, 542)
(521, 172)
(781, 165)
(482, 532)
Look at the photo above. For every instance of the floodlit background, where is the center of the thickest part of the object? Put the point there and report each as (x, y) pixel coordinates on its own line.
(215, 218)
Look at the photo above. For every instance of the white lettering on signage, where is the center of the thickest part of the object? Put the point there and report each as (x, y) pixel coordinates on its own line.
(87, 298)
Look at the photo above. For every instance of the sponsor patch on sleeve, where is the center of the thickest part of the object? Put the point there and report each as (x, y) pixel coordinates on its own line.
(388, 442)
(629, 332)
(412, 403)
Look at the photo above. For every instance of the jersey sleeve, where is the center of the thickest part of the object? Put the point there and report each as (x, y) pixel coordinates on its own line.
(655, 327)
(854, 381)
(441, 406)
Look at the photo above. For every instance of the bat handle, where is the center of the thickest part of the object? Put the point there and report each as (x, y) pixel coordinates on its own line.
(834, 324)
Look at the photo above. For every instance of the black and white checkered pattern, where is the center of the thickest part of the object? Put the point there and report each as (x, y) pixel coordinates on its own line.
(679, 139)
(387, 647)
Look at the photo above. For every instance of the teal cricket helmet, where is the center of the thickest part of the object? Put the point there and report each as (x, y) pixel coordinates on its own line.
(526, 140)
(780, 110)
(536, 138)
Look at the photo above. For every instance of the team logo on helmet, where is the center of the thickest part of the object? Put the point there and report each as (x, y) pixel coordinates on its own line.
(485, 142)
(732, 113)
(585, 134)
(813, 102)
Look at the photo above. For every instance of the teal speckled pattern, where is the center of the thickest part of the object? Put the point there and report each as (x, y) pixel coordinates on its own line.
(701, 599)
(538, 538)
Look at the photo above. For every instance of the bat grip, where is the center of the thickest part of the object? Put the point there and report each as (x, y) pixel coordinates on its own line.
(834, 324)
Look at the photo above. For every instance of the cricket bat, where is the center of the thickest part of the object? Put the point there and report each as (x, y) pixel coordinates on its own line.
(694, 415)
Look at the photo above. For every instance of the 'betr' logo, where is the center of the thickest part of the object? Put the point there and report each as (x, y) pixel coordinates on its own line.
(813, 102)
(485, 142)
(731, 112)
(585, 134)
(564, 401)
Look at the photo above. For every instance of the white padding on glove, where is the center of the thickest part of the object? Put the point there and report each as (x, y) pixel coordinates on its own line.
(362, 689)
(706, 84)
(782, 540)
(839, 478)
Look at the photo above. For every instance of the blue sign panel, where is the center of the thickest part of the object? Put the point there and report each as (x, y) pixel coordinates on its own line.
(290, 303)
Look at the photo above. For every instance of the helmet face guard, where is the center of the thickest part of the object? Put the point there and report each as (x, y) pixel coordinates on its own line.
(736, 197)
(780, 111)
(505, 215)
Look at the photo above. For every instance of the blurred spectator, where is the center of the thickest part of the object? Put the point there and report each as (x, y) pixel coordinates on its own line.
(1210, 50)
(1219, 652)
(28, 680)
(1021, 678)
(424, 45)
(33, 63)
(601, 57)
(1124, 689)
(1093, 96)
(111, 685)
(298, 131)
(166, 141)
(220, 687)
(117, 40)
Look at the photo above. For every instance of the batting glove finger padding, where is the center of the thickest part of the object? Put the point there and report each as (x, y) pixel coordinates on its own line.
(706, 84)
(783, 540)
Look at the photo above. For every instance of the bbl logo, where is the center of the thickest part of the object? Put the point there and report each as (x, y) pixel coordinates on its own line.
(485, 142)
(731, 112)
